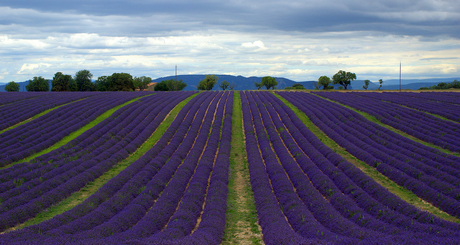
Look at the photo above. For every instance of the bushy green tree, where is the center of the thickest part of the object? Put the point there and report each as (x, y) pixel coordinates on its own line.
(170, 85)
(83, 80)
(343, 78)
(366, 84)
(269, 82)
(325, 81)
(141, 83)
(224, 85)
(208, 82)
(120, 82)
(258, 85)
(298, 86)
(101, 84)
(12, 87)
(38, 84)
(175, 85)
(73, 85)
(61, 82)
(161, 86)
(295, 86)
(232, 86)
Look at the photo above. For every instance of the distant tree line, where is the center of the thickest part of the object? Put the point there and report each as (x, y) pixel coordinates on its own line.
(343, 78)
(443, 85)
(170, 85)
(82, 81)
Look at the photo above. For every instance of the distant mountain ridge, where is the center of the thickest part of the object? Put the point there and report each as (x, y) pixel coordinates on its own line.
(247, 83)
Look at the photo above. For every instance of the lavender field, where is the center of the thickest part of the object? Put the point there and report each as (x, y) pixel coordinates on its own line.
(156, 167)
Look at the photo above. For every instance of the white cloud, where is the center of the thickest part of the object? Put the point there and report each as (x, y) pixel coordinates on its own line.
(32, 68)
(150, 38)
(259, 45)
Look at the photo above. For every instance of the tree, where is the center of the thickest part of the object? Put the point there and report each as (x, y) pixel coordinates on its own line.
(207, 83)
(380, 83)
(316, 85)
(258, 85)
(269, 82)
(12, 87)
(83, 80)
(442, 85)
(366, 84)
(38, 84)
(141, 83)
(224, 85)
(295, 86)
(170, 85)
(232, 86)
(175, 85)
(455, 84)
(101, 84)
(324, 81)
(61, 82)
(73, 85)
(298, 86)
(120, 82)
(343, 78)
(161, 86)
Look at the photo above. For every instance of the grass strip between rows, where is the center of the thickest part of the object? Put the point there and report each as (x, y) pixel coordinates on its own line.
(431, 114)
(81, 195)
(242, 223)
(39, 115)
(377, 121)
(80, 131)
(394, 188)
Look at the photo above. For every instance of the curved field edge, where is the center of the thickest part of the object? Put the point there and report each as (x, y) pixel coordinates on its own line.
(78, 132)
(39, 115)
(241, 222)
(377, 121)
(394, 188)
(81, 195)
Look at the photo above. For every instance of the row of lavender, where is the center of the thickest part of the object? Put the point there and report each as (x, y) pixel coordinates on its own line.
(449, 97)
(418, 124)
(41, 133)
(306, 193)
(437, 103)
(12, 97)
(161, 196)
(29, 188)
(427, 172)
(17, 107)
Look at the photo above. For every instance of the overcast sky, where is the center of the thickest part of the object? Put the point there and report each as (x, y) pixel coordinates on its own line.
(299, 40)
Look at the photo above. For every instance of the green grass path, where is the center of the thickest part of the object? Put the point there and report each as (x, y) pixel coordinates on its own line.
(394, 188)
(242, 223)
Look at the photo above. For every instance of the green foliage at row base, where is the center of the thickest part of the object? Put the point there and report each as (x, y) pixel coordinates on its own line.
(454, 84)
(170, 85)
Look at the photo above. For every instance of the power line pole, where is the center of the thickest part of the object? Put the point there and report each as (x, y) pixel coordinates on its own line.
(176, 72)
(400, 76)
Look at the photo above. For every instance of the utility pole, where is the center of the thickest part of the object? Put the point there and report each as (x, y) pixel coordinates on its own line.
(399, 76)
(176, 72)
